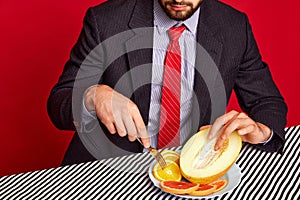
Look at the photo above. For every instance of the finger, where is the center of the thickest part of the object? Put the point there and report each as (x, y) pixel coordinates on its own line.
(220, 122)
(130, 127)
(247, 130)
(108, 121)
(120, 126)
(144, 136)
(204, 127)
(131, 138)
(238, 121)
(219, 143)
(140, 126)
(235, 124)
(242, 115)
(111, 128)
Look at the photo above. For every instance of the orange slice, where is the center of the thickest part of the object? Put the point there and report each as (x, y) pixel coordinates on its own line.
(166, 151)
(220, 184)
(171, 172)
(203, 190)
(178, 187)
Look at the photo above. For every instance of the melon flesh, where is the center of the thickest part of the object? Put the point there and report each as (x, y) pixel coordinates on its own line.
(200, 163)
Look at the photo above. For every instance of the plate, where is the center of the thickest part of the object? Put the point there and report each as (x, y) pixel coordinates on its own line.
(233, 177)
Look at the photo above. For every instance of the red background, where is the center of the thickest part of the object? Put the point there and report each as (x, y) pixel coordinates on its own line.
(36, 38)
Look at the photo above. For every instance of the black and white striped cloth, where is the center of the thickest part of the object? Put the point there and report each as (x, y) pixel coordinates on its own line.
(265, 176)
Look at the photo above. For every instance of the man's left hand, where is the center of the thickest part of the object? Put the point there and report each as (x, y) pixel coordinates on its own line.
(250, 131)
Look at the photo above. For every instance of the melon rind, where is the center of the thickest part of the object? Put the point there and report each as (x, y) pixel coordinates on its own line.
(216, 169)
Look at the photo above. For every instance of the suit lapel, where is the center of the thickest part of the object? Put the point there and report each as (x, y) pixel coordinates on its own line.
(209, 50)
(139, 54)
(209, 32)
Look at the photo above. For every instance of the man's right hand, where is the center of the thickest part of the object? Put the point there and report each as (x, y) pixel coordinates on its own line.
(117, 112)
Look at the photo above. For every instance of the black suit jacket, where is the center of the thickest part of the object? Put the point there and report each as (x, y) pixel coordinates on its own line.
(227, 58)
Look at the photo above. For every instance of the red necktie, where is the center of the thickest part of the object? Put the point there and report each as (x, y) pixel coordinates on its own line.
(169, 130)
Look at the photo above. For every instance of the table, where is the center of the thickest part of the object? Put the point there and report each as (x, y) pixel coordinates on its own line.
(265, 176)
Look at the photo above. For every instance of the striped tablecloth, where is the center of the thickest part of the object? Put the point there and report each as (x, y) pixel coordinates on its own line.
(265, 176)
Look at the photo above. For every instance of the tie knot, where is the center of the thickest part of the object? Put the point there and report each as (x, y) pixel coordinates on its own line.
(175, 32)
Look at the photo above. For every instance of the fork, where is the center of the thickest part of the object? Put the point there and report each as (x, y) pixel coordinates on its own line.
(155, 154)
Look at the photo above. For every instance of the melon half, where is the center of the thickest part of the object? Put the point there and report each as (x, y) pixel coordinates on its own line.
(200, 163)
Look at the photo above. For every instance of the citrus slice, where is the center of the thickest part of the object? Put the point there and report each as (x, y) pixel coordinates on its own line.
(203, 190)
(220, 184)
(166, 151)
(178, 187)
(171, 155)
(171, 172)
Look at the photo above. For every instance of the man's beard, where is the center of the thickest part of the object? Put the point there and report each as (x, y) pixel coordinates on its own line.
(179, 15)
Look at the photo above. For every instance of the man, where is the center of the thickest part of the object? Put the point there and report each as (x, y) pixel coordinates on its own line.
(225, 57)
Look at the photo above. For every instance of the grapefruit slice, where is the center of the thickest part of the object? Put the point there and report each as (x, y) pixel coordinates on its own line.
(171, 172)
(203, 190)
(178, 187)
(220, 184)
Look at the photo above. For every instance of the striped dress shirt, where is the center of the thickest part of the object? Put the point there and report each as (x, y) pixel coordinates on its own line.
(187, 44)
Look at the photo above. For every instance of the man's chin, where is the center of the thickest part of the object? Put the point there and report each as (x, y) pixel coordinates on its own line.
(179, 15)
(180, 11)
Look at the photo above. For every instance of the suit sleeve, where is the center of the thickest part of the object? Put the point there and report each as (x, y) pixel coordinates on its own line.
(258, 95)
(65, 100)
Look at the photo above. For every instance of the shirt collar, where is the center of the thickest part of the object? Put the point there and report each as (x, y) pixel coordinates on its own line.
(163, 22)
